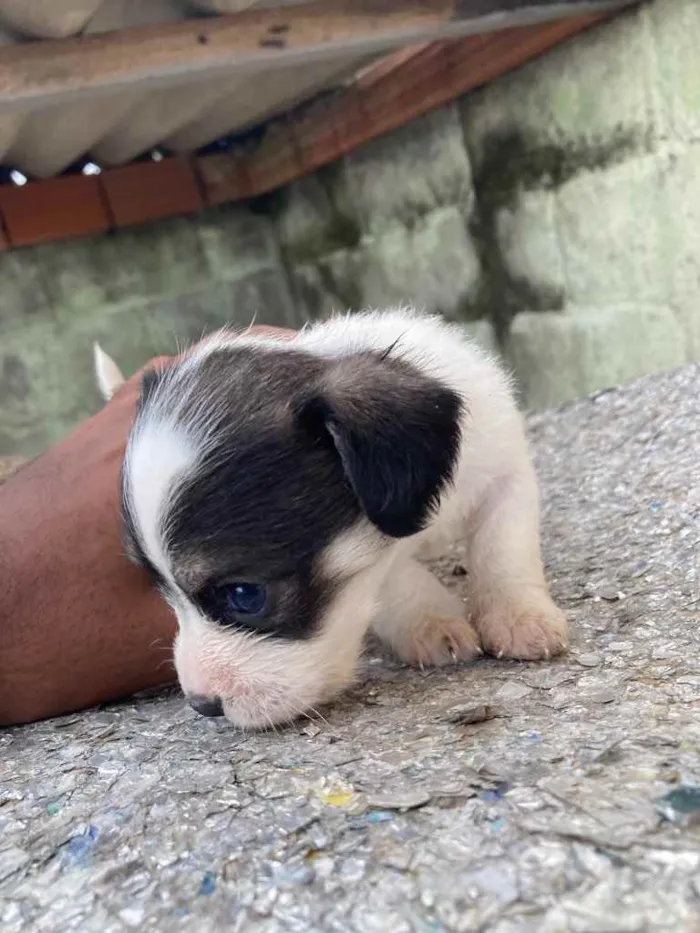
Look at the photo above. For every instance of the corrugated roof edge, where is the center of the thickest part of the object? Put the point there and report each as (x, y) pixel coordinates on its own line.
(382, 99)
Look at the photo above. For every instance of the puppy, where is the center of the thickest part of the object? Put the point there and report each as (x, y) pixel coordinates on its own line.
(279, 493)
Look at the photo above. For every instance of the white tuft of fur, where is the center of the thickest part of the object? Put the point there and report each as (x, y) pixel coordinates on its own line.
(158, 457)
(109, 377)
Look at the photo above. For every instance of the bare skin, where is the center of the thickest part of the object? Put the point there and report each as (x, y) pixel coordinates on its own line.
(79, 625)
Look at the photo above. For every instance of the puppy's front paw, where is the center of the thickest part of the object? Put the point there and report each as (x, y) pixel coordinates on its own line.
(439, 640)
(528, 632)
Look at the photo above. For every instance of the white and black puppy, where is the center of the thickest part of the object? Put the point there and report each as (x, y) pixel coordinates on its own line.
(279, 492)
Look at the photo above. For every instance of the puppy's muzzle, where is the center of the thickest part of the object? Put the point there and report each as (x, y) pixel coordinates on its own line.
(206, 706)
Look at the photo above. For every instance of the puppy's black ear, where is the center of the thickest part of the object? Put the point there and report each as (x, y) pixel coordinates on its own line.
(397, 433)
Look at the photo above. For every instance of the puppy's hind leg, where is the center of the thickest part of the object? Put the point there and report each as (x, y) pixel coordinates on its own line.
(420, 620)
(509, 600)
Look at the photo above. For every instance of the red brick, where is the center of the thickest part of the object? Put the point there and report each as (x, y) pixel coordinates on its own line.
(317, 138)
(147, 191)
(53, 209)
(221, 177)
(348, 122)
(274, 162)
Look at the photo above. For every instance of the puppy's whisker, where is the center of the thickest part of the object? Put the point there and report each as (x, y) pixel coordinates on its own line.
(318, 715)
(270, 724)
(308, 712)
(179, 345)
(166, 649)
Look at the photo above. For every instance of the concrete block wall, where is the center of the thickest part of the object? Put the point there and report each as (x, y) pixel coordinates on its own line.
(140, 292)
(587, 171)
(555, 212)
(557, 209)
(388, 225)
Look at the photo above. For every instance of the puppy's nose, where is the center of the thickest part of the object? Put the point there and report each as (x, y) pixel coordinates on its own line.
(206, 706)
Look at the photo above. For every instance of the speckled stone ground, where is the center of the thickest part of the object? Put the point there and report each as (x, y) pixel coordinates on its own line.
(502, 797)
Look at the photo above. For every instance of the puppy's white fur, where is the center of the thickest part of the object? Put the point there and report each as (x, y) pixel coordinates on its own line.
(493, 502)
(159, 457)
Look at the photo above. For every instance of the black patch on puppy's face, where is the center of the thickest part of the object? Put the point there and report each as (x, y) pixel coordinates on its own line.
(268, 496)
(298, 450)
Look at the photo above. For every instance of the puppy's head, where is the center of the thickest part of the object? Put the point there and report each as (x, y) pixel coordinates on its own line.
(263, 488)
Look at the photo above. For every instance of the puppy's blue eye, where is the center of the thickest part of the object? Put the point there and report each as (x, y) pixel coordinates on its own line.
(245, 598)
(241, 605)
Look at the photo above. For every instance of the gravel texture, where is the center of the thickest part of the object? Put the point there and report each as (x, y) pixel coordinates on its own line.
(501, 797)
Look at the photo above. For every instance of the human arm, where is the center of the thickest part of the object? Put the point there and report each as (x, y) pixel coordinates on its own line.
(79, 625)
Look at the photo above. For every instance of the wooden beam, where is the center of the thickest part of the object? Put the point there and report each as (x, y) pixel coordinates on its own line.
(385, 97)
(46, 72)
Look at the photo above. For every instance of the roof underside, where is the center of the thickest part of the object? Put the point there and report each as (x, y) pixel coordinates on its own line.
(111, 80)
